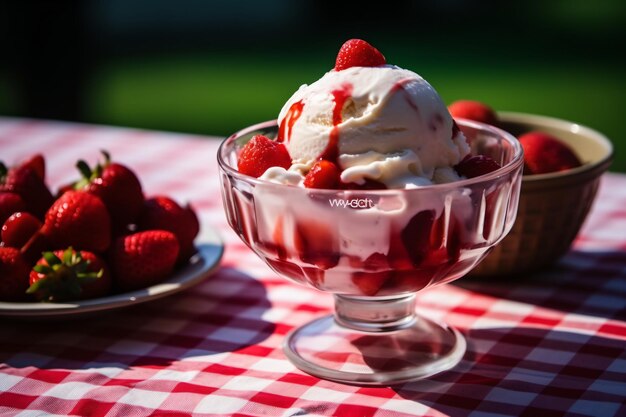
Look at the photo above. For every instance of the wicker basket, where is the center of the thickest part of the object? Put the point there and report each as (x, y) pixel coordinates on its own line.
(552, 207)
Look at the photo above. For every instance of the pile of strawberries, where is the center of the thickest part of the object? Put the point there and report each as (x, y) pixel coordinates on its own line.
(98, 236)
(543, 153)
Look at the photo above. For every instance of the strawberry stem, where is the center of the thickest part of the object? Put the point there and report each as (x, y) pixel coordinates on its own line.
(3, 170)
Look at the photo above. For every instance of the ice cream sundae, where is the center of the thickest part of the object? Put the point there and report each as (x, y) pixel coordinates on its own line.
(367, 125)
(363, 124)
(367, 188)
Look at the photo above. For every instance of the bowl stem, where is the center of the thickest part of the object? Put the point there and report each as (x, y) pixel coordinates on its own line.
(368, 314)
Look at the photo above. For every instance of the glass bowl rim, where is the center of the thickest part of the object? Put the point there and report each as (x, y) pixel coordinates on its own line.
(515, 163)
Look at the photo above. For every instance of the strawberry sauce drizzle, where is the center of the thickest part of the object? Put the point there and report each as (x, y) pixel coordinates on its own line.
(286, 126)
(340, 95)
(400, 86)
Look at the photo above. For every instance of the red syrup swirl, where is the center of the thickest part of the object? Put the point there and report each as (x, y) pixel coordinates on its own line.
(286, 126)
(399, 86)
(340, 95)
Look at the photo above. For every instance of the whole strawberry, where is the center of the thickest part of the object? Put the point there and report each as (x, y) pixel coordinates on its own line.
(66, 275)
(163, 213)
(37, 163)
(473, 110)
(18, 229)
(358, 53)
(544, 153)
(14, 271)
(80, 220)
(10, 203)
(27, 180)
(143, 258)
(116, 185)
(324, 174)
(261, 153)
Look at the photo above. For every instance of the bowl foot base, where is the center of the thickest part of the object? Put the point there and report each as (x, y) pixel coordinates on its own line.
(328, 350)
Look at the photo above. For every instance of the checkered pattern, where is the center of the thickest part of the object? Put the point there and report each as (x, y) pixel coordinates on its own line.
(547, 345)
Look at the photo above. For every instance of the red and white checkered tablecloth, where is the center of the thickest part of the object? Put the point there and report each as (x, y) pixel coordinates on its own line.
(548, 345)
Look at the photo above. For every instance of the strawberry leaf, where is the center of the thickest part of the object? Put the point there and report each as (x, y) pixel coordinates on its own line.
(107, 157)
(51, 258)
(3, 171)
(84, 169)
(42, 269)
(37, 286)
(67, 256)
(62, 280)
(89, 277)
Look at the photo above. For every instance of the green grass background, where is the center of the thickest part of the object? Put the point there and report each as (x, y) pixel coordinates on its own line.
(221, 94)
(222, 91)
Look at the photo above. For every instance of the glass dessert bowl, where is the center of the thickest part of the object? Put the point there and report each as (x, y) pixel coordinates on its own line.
(374, 250)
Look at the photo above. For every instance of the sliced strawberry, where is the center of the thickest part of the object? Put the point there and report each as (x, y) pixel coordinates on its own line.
(491, 202)
(430, 256)
(454, 241)
(358, 53)
(476, 165)
(370, 282)
(260, 154)
(315, 244)
(412, 280)
(374, 274)
(544, 153)
(375, 262)
(19, 228)
(66, 275)
(473, 110)
(416, 236)
(14, 272)
(323, 175)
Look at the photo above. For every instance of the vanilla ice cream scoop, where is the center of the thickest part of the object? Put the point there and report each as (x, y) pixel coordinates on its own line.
(380, 123)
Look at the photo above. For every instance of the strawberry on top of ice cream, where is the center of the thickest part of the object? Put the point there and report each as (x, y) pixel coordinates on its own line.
(374, 121)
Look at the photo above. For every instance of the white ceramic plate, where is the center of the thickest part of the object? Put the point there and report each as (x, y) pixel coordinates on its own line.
(201, 266)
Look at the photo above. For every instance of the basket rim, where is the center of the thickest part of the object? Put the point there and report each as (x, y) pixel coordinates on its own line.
(574, 175)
